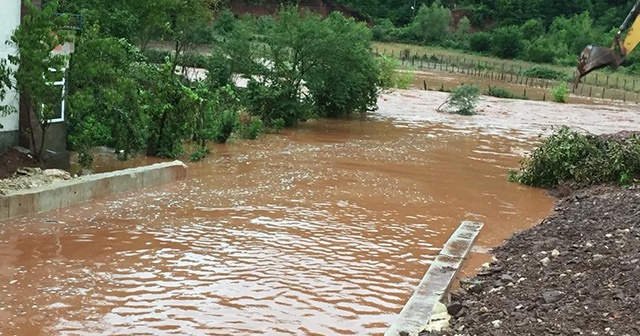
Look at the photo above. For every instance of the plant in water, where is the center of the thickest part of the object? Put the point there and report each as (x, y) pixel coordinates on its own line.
(580, 159)
(199, 154)
(502, 93)
(560, 93)
(462, 100)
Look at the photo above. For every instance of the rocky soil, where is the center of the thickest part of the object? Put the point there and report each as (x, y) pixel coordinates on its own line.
(18, 171)
(576, 273)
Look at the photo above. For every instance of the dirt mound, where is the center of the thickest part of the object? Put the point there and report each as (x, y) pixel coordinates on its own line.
(574, 274)
(12, 159)
(28, 177)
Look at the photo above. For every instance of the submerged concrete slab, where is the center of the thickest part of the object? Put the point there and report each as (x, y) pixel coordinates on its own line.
(85, 188)
(416, 313)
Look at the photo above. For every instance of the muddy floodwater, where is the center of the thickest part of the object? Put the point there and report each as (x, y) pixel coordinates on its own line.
(323, 230)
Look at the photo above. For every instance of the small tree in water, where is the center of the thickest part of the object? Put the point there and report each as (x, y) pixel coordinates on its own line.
(462, 100)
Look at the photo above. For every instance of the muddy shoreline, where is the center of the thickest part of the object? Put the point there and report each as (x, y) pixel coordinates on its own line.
(574, 274)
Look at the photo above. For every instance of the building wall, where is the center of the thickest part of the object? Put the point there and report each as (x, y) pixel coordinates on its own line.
(9, 21)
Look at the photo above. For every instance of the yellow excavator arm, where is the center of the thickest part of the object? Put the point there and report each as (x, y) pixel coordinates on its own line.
(595, 57)
(633, 36)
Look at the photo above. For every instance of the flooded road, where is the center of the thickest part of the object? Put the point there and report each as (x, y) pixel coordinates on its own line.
(324, 230)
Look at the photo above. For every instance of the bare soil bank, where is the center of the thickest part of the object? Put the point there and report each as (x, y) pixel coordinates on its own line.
(574, 274)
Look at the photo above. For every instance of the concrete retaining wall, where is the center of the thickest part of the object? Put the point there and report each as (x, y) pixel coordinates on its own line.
(420, 307)
(85, 188)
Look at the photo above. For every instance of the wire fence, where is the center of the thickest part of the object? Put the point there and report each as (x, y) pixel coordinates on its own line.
(601, 86)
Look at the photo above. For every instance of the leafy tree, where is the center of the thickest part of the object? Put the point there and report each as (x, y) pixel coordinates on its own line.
(305, 65)
(480, 42)
(576, 32)
(431, 24)
(544, 49)
(507, 42)
(344, 80)
(169, 106)
(532, 29)
(462, 100)
(34, 69)
(104, 104)
(462, 33)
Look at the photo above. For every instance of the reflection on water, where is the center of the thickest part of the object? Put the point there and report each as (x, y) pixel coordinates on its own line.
(320, 231)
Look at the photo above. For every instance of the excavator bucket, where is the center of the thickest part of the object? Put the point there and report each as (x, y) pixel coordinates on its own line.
(592, 58)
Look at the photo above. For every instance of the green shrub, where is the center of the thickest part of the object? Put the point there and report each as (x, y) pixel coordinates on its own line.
(249, 127)
(431, 23)
(560, 93)
(580, 160)
(199, 154)
(480, 42)
(389, 76)
(193, 59)
(544, 50)
(225, 125)
(507, 42)
(463, 99)
(157, 56)
(545, 73)
(502, 93)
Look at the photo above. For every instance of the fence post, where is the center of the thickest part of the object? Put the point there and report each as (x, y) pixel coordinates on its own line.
(603, 93)
(544, 96)
(596, 79)
(525, 92)
(590, 91)
(607, 84)
(424, 81)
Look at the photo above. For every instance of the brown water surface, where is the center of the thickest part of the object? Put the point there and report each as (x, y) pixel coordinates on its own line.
(325, 230)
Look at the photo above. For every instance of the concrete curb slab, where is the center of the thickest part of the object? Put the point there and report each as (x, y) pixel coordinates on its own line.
(419, 308)
(85, 188)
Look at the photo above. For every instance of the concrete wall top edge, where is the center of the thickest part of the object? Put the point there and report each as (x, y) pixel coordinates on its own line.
(95, 177)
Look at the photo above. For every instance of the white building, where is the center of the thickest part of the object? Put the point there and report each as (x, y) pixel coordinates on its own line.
(9, 21)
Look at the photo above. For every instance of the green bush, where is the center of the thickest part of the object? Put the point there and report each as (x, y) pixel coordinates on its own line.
(580, 160)
(560, 93)
(480, 42)
(502, 93)
(507, 42)
(199, 154)
(157, 56)
(225, 125)
(544, 50)
(431, 24)
(389, 76)
(463, 99)
(545, 73)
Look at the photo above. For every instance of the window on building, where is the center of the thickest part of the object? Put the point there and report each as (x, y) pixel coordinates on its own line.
(59, 82)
